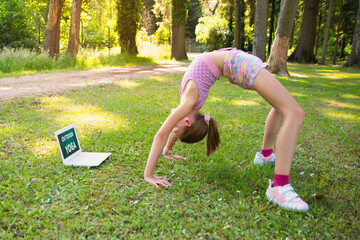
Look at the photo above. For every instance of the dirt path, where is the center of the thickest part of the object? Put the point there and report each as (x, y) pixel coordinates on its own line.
(55, 82)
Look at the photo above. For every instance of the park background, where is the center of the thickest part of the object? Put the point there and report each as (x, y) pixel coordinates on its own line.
(311, 46)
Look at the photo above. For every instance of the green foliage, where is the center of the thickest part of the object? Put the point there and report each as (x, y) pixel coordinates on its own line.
(98, 27)
(179, 11)
(97, 36)
(22, 23)
(14, 29)
(128, 22)
(212, 31)
(194, 13)
(162, 34)
(220, 197)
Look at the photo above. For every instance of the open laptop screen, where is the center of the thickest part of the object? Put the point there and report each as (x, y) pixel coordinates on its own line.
(68, 142)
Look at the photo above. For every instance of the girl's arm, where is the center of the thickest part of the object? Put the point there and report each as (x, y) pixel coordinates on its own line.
(168, 149)
(188, 101)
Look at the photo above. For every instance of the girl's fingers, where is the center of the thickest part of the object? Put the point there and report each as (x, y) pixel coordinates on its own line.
(165, 183)
(162, 181)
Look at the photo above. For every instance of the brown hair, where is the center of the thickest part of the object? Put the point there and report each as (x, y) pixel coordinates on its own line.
(198, 130)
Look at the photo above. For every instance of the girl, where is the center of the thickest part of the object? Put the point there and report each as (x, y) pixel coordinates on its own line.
(188, 125)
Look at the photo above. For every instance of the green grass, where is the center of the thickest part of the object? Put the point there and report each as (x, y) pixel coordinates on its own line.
(221, 197)
(18, 62)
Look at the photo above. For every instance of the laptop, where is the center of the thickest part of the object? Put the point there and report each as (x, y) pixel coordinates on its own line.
(70, 149)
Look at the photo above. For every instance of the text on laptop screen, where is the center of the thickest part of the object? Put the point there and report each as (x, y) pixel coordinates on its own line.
(68, 142)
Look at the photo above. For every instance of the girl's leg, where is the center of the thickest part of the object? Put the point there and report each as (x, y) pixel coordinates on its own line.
(272, 125)
(280, 192)
(290, 111)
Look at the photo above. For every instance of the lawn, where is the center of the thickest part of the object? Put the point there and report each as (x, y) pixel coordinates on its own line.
(220, 197)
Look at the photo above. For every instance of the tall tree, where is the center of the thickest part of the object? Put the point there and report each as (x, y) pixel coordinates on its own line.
(178, 14)
(52, 34)
(74, 35)
(304, 51)
(278, 55)
(252, 12)
(354, 58)
(326, 38)
(259, 44)
(318, 31)
(271, 25)
(239, 31)
(338, 31)
(350, 8)
(148, 20)
(128, 21)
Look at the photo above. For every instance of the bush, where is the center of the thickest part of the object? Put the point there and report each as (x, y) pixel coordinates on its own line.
(162, 35)
(212, 31)
(15, 31)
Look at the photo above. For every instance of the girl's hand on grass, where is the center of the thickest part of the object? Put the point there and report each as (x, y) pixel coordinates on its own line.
(157, 181)
(176, 157)
(168, 154)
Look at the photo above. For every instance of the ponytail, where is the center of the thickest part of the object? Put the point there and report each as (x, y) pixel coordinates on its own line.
(198, 130)
(213, 139)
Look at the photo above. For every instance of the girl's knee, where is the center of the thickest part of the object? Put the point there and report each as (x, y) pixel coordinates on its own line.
(298, 115)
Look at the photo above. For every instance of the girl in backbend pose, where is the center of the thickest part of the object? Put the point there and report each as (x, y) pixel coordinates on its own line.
(188, 125)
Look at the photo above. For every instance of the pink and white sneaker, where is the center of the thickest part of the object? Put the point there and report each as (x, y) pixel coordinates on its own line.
(286, 197)
(261, 160)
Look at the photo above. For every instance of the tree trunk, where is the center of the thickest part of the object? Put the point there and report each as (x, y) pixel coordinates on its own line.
(354, 58)
(252, 12)
(338, 32)
(342, 49)
(178, 50)
(128, 21)
(178, 19)
(74, 35)
(230, 14)
(304, 51)
(318, 32)
(52, 33)
(259, 43)
(271, 27)
(278, 55)
(326, 38)
(239, 31)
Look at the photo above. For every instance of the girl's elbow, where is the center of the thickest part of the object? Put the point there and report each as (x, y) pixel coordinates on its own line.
(160, 137)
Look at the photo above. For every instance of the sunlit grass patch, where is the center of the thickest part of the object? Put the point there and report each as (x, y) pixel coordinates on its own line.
(299, 75)
(335, 103)
(43, 148)
(86, 116)
(299, 94)
(214, 99)
(351, 96)
(244, 102)
(127, 84)
(341, 115)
